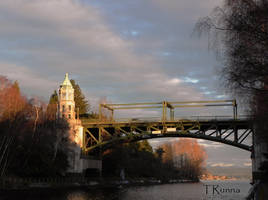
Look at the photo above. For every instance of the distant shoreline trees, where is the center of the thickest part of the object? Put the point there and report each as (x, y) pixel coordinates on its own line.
(183, 159)
(187, 156)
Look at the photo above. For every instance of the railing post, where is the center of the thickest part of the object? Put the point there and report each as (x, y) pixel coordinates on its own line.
(112, 115)
(164, 103)
(84, 141)
(100, 136)
(235, 109)
(164, 112)
(235, 134)
(171, 114)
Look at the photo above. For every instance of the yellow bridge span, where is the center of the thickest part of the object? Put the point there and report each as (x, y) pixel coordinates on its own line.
(107, 131)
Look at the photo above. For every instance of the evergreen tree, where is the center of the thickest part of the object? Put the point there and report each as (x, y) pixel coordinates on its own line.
(79, 98)
(52, 106)
(54, 98)
(145, 146)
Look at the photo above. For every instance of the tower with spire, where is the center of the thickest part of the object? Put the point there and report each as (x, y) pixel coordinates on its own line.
(66, 109)
(66, 100)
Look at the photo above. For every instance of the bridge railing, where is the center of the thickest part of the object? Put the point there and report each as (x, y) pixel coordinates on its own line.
(167, 108)
(176, 118)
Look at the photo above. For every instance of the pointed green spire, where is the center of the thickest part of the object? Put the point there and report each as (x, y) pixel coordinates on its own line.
(67, 81)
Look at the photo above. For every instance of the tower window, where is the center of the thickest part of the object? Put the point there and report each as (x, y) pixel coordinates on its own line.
(63, 108)
(69, 116)
(63, 116)
(70, 108)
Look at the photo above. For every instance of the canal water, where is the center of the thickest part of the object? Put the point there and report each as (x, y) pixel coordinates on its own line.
(205, 190)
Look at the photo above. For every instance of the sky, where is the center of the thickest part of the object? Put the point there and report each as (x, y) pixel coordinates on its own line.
(124, 51)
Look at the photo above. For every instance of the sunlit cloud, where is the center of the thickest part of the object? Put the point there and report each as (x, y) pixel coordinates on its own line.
(247, 164)
(174, 81)
(222, 165)
(210, 144)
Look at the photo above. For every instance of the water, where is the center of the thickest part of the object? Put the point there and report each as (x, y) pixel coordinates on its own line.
(206, 190)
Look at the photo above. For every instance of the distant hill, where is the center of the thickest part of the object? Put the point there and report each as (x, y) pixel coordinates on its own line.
(236, 172)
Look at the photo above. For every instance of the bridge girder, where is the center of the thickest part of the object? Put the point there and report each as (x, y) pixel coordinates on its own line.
(106, 134)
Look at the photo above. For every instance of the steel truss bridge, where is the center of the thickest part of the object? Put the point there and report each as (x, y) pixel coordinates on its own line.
(107, 131)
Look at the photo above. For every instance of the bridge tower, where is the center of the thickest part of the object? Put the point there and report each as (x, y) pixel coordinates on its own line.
(66, 100)
(66, 109)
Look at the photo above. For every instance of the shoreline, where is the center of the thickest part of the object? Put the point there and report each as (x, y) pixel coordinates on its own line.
(29, 184)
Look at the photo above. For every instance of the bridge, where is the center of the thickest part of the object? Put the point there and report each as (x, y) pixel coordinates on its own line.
(107, 131)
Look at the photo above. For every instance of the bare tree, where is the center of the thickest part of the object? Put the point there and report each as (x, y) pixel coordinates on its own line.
(238, 32)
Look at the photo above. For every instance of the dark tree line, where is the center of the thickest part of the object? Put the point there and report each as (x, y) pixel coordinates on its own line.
(33, 143)
(138, 161)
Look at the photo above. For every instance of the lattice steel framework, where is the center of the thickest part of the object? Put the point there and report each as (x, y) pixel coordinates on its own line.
(106, 131)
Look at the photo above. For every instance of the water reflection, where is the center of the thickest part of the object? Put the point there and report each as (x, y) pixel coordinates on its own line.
(196, 191)
(77, 195)
(98, 194)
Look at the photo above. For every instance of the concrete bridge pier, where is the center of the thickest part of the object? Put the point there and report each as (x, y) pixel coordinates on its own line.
(259, 173)
(86, 166)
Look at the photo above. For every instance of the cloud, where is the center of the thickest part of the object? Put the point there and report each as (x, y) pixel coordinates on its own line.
(165, 34)
(209, 144)
(247, 164)
(190, 80)
(51, 38)
(174, 81)
(28, 79)
(173, 7)
(222, 165)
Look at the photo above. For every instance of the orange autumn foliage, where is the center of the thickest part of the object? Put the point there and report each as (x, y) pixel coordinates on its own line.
(11, 100)
(193, 151)
(185, 150)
